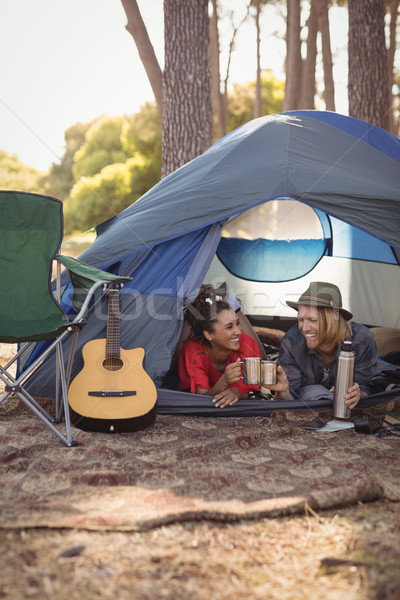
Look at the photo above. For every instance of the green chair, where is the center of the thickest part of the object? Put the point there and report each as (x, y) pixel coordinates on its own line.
(31, 232)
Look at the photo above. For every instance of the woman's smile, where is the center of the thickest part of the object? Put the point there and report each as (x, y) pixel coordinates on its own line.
(226, 333)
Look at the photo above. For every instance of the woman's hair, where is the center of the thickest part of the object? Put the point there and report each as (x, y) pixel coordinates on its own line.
(203, 313)
(333, 328)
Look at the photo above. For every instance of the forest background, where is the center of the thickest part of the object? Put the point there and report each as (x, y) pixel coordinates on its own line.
(111, 161)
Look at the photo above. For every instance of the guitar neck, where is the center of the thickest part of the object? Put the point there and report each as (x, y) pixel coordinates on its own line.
(113, 332)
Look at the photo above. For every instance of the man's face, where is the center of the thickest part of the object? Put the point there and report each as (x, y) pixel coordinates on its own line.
(308, 322)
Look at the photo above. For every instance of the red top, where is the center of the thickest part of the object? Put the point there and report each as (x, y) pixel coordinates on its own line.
(196, 370)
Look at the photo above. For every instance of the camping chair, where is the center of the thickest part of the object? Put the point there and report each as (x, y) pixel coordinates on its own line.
(31, 232)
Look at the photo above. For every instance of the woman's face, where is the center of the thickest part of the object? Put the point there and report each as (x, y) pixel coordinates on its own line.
(308, 322)
(226, 332)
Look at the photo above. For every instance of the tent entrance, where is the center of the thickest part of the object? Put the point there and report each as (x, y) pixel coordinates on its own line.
(279, 240)
(270, 253)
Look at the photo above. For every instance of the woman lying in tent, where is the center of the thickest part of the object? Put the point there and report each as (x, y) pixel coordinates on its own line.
(209, 361)
(308, 352)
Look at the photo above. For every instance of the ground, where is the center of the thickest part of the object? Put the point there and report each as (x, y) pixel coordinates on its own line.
(350, 553)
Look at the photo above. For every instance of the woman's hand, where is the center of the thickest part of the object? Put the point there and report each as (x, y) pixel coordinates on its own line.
(221, 390)
(232, 372)
(226, 398)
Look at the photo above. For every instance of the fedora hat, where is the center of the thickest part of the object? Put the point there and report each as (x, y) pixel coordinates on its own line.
(321, 293)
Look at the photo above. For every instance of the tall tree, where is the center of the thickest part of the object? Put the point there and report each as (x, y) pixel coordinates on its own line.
(258, 5)
(394, 11)
(137, 29)
(368, 87)
(318, 21)
(257, 100)
(185, 97)
(222, 83)
(323, 26)
(293, 56)
(217, 97)
(187, 111)
(307, 99)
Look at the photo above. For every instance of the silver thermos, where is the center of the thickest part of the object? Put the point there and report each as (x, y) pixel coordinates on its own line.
(343, 380)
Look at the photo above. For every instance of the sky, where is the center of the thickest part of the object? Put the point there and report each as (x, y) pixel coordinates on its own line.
(69, 61)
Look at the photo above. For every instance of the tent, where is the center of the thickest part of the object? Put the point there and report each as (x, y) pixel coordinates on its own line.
(342, 171)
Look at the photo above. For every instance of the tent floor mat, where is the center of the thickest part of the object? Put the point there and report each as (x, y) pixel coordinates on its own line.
(171, 402)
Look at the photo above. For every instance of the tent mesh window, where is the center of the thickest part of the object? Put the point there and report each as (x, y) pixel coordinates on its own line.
(264, 244)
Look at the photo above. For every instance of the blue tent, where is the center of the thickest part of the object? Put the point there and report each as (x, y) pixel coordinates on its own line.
(343, 170)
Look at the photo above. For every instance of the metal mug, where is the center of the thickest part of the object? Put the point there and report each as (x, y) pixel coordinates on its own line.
(269, 375)
(252, 370)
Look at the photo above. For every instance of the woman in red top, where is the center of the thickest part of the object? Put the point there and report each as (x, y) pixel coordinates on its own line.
(209, 362)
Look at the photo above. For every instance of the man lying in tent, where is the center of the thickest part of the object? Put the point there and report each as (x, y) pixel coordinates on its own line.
(309, 350)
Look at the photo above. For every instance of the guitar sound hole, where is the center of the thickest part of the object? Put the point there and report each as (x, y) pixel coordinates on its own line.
(112, 363)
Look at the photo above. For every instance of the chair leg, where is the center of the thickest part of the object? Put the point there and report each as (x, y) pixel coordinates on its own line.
(64, 394)
(31, 403)
(60, 408)
(13, 386)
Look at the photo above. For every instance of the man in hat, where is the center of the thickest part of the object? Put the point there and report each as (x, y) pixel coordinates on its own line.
(309, 350)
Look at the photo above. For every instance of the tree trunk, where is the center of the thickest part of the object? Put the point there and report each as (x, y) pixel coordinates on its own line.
(293, 56)
(308, 80)
(257, 99)
(230, 51)
(323, 26)
(368, 87)
(218, 101)
(187, 111)
(137, 29)
(394, 9)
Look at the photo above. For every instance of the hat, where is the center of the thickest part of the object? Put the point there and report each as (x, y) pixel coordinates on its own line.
(320, 293)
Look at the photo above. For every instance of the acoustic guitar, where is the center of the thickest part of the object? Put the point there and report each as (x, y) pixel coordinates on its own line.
(112, 393)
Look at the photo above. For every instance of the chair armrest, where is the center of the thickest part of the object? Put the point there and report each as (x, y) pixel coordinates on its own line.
(88, 273)
(86, 280)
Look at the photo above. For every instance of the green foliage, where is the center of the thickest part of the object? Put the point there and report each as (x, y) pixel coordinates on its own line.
(100, 197)
(117, 161)
(102, 147)
(15, 175)
(59, 181)
(241, 100)
(142, 133)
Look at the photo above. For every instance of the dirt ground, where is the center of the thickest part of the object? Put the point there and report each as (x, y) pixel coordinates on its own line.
(351, 553)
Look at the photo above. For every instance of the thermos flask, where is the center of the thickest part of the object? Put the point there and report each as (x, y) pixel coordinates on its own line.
(343, 380)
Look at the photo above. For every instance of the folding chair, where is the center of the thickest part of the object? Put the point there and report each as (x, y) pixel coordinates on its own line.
(31, 232)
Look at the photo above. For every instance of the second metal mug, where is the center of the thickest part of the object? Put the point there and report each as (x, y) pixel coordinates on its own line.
(252, 370)
(269, 375)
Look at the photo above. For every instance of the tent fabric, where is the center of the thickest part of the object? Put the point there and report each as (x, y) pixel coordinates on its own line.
(340, 166)
(173, 402)
(376, 137)
(287, 155)
(160, 264)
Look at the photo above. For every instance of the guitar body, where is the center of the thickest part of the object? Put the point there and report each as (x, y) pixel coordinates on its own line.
(112, 393)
